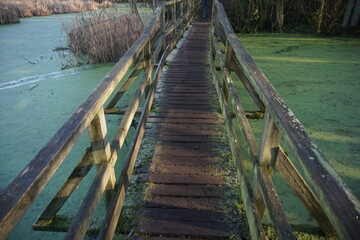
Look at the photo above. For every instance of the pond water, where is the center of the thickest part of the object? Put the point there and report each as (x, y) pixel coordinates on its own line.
(319, 79)
(36, 97)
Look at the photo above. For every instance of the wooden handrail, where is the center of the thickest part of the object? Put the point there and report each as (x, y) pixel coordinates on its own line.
(18, 196)
(336, 208)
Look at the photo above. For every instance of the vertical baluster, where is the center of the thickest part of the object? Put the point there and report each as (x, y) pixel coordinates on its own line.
(227, 66)
(101, 152)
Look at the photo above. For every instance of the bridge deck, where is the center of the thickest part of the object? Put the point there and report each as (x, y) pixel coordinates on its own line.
(186, 192)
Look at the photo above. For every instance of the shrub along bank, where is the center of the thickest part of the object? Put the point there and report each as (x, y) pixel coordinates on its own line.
(103, 36)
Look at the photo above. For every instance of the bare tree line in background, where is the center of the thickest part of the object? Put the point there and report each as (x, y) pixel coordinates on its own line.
(305, 16)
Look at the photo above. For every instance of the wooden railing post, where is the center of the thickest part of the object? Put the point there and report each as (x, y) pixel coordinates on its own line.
(174, 14)
(162, 28)
(101, 151)
(149, 64)
(181, 12)
(269, 147)
(227, 65)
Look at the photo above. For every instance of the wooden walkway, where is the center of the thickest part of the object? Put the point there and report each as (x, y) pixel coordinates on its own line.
(185, 193)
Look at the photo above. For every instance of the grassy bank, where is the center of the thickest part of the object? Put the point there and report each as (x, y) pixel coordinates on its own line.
(319, 78)
(12, 10)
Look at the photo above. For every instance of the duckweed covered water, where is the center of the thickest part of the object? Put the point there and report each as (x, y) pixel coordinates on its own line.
(319, 79)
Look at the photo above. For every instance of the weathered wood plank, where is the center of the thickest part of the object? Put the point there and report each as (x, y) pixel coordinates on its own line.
(184, 120)
(187, 138)
(273, 205)
(184, 161)
(186, 179)
(203, 203)
(186, 190)
(303, 192)
(183, 215)
(269, 148)
(255, 96)
(197, 229)
(100, 147)
(184, 170)
(184, 114)
(174, 152)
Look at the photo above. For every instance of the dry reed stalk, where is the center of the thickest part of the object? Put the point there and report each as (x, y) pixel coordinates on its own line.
(103, 36)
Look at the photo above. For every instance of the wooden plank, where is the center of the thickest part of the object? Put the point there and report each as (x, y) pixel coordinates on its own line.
(303, 192)
(184, 94)
(273, 205)
(186, 190)
(179, 98)
(198, 229)
(184, 161)
(166, 106)
(184, 121)
(269, 148)
(200, 146)
(255, 96)
(183, 101)
(186, 132)
(184, 170)
(183, 215)
(185, 114)
(179, 152)
(187, 138)
(186, 179)
(203, 203)
(186, 127)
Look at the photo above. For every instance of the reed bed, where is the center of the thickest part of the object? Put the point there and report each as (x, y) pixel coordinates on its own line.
(12, 10)
(103, 36)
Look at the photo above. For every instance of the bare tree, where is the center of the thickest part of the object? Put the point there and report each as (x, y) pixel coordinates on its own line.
(352, 13)
(280, 14)
(355, 14)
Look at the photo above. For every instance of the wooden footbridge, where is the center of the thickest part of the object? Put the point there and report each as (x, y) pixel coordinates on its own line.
(192, 167)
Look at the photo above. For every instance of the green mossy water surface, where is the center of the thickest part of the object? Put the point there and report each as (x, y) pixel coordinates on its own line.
(319, 79)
